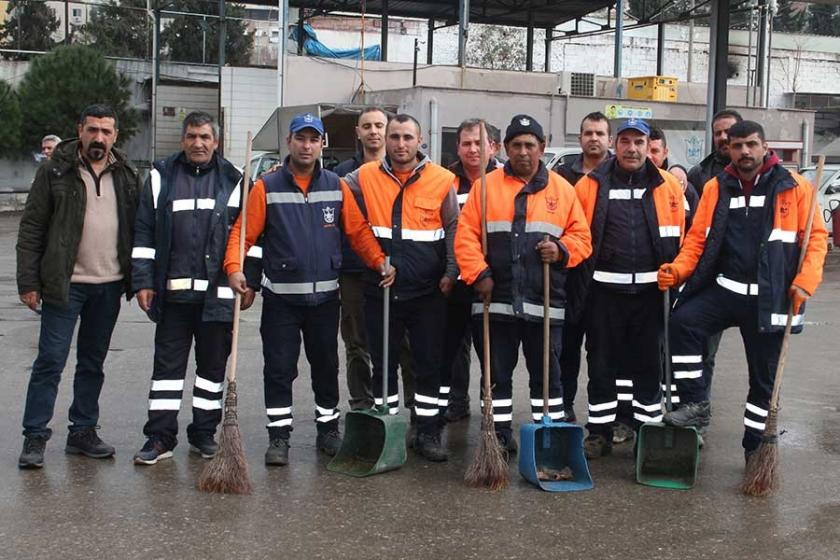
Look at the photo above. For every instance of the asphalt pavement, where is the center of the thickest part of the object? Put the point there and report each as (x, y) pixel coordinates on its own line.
(84, 508)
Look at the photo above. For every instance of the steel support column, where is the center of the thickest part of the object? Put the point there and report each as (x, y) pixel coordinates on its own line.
(619, 37)
(529, 43)
(549, 35)
(430, 41)
(384, 41)
(463, 29)
(660, 49)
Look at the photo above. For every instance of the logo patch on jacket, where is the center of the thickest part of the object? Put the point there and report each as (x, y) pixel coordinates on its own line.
(329, 214)
(784, 208)
(551, 203)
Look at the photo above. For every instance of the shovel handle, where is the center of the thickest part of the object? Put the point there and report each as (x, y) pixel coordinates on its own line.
(546, 330)
(666, 343)
(386, 339)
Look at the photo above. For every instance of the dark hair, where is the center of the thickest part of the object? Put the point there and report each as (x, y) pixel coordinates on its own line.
(597, 116)
(727, 114)
(742, 129)
(679, 166)
(470, 124)
(494, 133)
(657, 133)
(99, 111)
(198, 119)
(374, 109)
(404, 118)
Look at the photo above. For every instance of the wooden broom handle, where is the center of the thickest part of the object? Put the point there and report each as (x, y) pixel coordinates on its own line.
(482, 139)
(806, 238)
(243, 232)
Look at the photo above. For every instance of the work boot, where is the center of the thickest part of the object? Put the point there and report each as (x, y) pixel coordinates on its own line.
(153, 451)
(457, 410)
(596, 446)
(32, 456)
(86, 442)
(428, 446)
(329, 442)
(622, 433)
(697, 415)
(204, 445)
(508, 444)
(277, 452)
(571, 417)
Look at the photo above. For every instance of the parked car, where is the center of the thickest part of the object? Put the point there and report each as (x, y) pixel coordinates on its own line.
(828, 189)
(261, 163)
(554, 155)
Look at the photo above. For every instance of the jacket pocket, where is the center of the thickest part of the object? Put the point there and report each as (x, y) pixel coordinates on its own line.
(336, 261)
(427, 203)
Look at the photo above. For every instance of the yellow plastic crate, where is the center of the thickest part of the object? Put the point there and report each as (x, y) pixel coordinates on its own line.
(652, 88)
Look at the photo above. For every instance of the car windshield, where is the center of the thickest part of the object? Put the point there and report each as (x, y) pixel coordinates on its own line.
(810, 173)
(547, 156)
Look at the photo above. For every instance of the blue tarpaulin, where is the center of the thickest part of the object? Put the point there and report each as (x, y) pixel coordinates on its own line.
(314, 47)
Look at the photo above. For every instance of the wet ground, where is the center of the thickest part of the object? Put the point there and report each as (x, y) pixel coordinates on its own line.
(84, 508)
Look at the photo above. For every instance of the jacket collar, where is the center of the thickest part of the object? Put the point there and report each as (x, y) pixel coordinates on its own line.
(537, 183)
(422, 161)
(458, 168)
(66, 157)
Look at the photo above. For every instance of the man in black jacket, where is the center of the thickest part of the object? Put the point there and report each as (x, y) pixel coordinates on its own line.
(189, 202)
(73, 253)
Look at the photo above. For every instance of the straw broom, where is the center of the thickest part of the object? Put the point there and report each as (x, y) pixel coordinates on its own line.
(761, 477)
(489, 468)
(227, 472)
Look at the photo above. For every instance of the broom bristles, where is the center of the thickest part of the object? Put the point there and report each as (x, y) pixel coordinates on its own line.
(227, 472)
(489, 468)
(761, 476)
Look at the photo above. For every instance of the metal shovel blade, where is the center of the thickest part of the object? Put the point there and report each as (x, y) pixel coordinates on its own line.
(551, 456)
(374, 442)
(668, 456)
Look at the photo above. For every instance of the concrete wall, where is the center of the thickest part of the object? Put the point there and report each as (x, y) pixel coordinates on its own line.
(249, 96)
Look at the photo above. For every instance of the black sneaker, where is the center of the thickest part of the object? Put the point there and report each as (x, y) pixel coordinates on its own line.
(204, 445)
(329, 442)
(509, 445)
(457, 410)
(571, 417)
(152, 452)
(697, 415)
(429, 447)
(595, 446)
(622, 433)
(277, 452)
(86, 442)
(32, 456)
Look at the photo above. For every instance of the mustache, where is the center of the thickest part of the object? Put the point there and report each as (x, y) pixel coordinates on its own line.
(96, 146)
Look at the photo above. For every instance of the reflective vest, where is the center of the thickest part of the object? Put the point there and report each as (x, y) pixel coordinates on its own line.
(302, 237)
(519, 216)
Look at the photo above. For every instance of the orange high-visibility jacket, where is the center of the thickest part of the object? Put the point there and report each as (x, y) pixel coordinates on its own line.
(519, 215)
(778, 252)
(414, 223)
(664, 209)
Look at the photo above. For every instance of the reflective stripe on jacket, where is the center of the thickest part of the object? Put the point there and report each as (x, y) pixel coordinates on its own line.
(519, 215)
(778, 251)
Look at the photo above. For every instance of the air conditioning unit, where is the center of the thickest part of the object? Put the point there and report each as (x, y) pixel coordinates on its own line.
(581, 84)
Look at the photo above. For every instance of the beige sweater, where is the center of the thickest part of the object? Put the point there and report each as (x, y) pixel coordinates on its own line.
(97, 261)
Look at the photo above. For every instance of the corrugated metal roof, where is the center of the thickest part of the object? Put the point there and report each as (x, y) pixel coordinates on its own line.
(543, 13)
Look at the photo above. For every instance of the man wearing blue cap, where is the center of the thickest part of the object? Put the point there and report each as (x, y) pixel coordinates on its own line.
(300, 211)
(637, 218)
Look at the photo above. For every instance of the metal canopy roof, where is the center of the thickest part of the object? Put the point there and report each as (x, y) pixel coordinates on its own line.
(518, 13)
